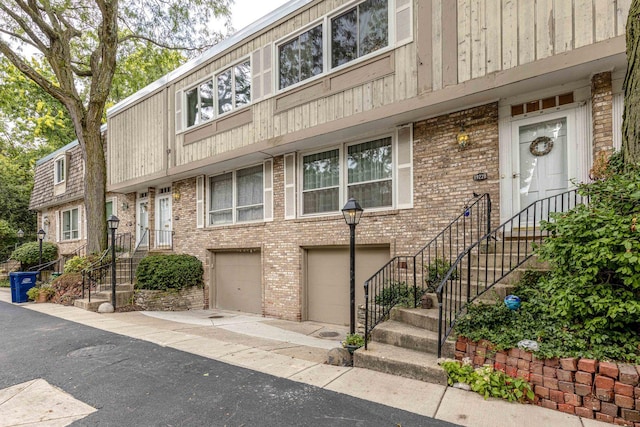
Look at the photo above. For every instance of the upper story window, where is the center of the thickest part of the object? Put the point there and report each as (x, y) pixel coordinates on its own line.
(359, 31)
(237, 196)
(301, 57)
(233, 87)
(368, 167)
(199, 103)
(59, 170)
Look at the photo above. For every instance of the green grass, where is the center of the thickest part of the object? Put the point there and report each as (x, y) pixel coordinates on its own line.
(5, 284)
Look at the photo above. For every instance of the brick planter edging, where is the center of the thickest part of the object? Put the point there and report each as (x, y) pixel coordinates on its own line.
(604, 391)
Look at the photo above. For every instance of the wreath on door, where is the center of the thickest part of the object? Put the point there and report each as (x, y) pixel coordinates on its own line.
(541, 146)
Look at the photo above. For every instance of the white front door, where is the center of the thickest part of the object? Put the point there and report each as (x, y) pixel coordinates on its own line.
(543, 162)
(163, 232)
(142, 223)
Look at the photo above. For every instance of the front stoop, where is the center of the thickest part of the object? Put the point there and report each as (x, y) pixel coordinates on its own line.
(400, 361)
(406, 345)
(124, 295)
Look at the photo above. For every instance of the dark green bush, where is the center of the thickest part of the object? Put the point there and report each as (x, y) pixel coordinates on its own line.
(169, 272)
(29, 253)
(397, 293)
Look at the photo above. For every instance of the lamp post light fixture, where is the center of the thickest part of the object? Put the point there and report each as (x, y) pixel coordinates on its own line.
(20, 235)
(112, 223)
(352, 212)
(41, 235)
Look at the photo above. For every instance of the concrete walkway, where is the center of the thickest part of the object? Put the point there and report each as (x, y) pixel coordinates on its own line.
(292, 350)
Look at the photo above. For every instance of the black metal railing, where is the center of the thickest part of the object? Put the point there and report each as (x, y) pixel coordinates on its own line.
(58, 264)
(97, 278)
(407, 278)
(141, 250)
(161, 239)
(488, 260)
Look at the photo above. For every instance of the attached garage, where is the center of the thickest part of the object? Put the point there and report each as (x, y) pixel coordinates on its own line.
(327, 280)
(237, 281)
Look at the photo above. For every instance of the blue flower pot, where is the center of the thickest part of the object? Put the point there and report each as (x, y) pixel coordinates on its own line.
(512, 302)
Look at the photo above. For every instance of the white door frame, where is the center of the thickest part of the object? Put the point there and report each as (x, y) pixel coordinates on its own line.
(162, 238)
(578, 152)
(139, 231)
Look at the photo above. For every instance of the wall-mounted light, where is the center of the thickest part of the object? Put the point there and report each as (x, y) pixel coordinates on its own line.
(463, 140)
(176, 195)
(124, 206)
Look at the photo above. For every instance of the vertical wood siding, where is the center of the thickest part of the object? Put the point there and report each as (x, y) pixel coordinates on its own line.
(517, 32)
(468, 39)
(136, 140)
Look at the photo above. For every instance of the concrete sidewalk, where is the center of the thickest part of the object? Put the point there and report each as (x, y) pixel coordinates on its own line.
(291, 350)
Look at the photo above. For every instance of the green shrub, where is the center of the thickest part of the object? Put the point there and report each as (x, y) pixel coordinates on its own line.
(488, 382)
(397, 293)
(353, 339)
(76, 264)
(29, 254)
(169, 272)
(436, 271)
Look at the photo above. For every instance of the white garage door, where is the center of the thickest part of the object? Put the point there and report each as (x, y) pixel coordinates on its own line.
(238, 282)
(327, 280)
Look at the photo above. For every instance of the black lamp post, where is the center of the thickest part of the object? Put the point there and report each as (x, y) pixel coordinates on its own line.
(41, 235)
(352, 213)
(112, 223)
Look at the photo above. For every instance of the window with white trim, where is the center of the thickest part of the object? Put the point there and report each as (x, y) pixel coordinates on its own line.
(70, 229)
(237, 196)
(363, 170)
(228, 90)
(359, 31)
(199, 103)
(301, 57)
(59, 170)
(234, 87)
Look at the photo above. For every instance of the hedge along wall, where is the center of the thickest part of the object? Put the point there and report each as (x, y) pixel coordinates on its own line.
(588, 388)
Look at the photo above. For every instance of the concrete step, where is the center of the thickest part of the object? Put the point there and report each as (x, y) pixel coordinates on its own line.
(400, 361)
(123, 298)
(418, 317)
(411, 337)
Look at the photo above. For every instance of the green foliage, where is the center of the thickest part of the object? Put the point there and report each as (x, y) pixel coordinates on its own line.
(76, 264)
(169, 272)
(29, 253)
(5, 283)
(594, 251)
(354, 339)
(36, 291)
(436, 271)
(397, 293)
(488, 382)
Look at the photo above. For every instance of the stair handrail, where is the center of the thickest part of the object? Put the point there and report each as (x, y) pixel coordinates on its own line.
(138, 250)
(452, 301)
(94, 274)
(400, 276)
(61, 260)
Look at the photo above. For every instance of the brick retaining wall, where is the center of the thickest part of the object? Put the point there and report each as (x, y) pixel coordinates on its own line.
(591, 389)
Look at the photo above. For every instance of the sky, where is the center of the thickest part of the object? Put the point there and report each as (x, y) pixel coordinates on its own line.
(245, 12)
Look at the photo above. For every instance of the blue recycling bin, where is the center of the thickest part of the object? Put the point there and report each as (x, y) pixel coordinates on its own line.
(21, 282)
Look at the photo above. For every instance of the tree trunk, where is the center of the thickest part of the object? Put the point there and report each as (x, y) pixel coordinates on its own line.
(95, 189)
(631, 116)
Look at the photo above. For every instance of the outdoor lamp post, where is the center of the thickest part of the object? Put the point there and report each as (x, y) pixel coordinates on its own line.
(20, 235)
(352, 213)
(41, 235)
(112, 223)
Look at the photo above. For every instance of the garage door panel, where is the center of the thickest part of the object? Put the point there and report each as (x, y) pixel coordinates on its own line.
(327, 280)
(238, 277)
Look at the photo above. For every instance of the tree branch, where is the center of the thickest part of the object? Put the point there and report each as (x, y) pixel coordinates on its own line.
(25, 27)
